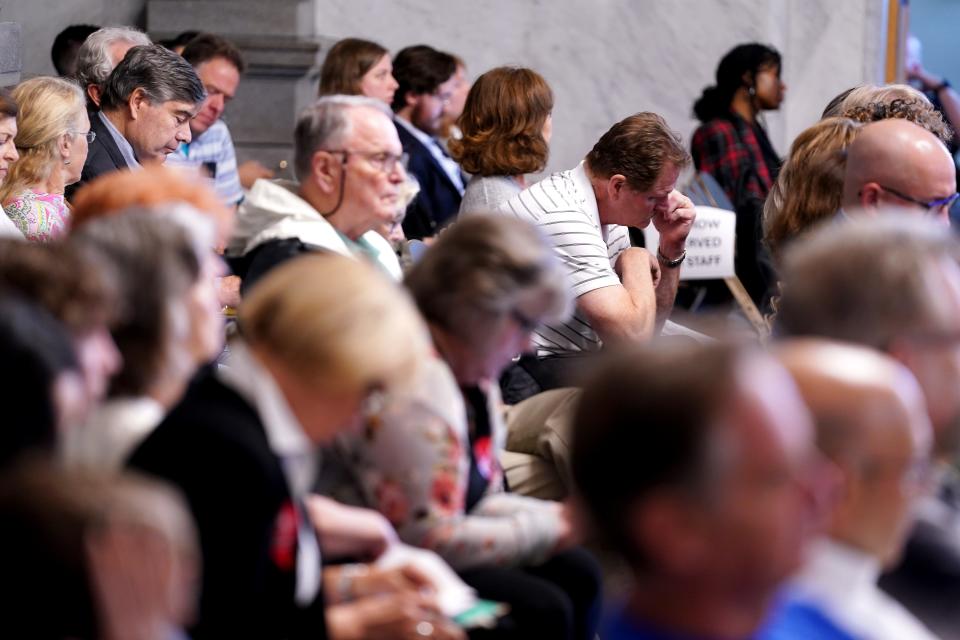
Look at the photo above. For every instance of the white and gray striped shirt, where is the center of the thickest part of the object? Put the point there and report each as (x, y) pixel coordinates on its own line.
(564, 206)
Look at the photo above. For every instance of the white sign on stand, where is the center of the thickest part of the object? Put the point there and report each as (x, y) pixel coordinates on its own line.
(710, 245)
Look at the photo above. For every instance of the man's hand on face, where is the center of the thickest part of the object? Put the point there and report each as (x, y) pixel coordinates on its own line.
(673, 223)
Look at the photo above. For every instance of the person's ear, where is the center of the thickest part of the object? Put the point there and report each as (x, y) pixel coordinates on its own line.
(616, 184)
(410, 98)
(95, 93)
(666, 530)
(64, 143)
(136, 102)
(870, 196)
(325, 168)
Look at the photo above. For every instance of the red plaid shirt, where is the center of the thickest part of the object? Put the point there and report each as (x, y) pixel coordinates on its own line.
(728, 149)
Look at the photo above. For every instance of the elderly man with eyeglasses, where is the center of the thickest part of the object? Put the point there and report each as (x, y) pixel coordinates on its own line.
(895, 163)
(350, 169)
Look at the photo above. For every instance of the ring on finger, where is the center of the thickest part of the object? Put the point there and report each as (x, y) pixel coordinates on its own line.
(424, 629)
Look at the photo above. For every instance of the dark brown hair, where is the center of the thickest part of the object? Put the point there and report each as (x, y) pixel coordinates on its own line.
(502, 123)
(207, 46)
(420, 69)
(346, 64)
(638, 148)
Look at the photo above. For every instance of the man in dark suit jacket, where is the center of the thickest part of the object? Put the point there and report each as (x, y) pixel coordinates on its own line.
(426, 79)
(145, 111)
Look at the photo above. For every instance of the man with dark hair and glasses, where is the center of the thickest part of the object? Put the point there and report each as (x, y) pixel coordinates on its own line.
(350, 170)
(895, 163)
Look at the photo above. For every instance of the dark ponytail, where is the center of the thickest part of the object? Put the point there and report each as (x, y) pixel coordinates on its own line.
(715, 100)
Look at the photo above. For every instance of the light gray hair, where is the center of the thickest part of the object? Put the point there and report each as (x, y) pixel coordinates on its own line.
(482, 267)
(866, 281)
(93, 60)
(325, 125)
(162, 75)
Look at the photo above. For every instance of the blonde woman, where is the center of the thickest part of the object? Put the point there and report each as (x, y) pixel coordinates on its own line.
(52, 138)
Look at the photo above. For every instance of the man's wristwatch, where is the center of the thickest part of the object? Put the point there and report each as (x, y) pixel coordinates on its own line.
(668, 263)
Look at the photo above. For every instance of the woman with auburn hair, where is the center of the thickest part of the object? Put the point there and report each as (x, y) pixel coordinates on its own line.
(356, 67)
(506, 125)
(52, 135)
(809, 188)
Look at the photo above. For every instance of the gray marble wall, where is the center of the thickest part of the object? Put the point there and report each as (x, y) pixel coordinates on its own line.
(608, 58)
(42, 20)
(605, 59)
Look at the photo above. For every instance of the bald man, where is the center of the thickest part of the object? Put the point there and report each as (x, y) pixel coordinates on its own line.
(897, 163)
(871, 423)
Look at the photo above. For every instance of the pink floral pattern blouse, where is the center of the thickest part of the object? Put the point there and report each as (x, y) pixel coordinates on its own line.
(41, 217)
(412, 465)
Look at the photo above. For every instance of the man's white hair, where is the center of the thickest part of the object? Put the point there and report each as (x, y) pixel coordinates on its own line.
(93, 60)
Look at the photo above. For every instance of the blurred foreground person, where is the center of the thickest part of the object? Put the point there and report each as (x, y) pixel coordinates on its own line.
(158, 189)
(322, 338)
(41, 387)
(871, 422)
(76, 290)
(95, 557)
(696, 462)
(893, 283)
(157, 263)
(429, 459)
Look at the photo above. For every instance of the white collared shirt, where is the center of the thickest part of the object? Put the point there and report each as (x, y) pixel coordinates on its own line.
(112, 432)
(448, 164)
(841, 582)
(126, 150)
(250, 379)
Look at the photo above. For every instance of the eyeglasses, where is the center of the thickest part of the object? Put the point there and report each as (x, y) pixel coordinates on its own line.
(379, 160)
(89, 135)
(931, 206)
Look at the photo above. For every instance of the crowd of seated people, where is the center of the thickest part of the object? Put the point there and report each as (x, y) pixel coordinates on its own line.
(423, 391)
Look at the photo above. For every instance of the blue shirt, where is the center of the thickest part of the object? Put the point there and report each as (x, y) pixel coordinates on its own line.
(622, 626)
(213, 149)
(795, 620)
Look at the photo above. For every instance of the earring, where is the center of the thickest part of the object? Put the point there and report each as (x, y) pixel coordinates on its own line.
(67, 161)
(751, 91)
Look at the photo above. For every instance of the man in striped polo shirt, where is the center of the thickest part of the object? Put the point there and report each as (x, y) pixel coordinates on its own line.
(623, 293)
(218, 64)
